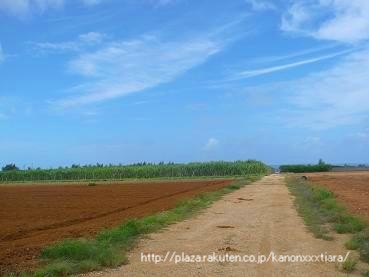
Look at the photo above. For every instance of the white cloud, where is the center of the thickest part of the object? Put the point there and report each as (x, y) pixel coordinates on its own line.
(23, 7)
(339, 20)
(83, 41)
(333, 97)
(363, 135)
(312, 140)
(261, 5)
(123, 67)
(291, 55)
(272, 69)
(92, 37)
(211, 144)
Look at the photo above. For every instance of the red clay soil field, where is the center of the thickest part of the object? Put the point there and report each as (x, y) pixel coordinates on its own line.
(352, 188)
(34, 216)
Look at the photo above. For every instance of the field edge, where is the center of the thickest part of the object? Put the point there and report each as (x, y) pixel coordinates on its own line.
(322, 213)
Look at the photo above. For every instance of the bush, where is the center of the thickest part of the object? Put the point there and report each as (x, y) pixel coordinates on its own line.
(10, 167)
(349, 265)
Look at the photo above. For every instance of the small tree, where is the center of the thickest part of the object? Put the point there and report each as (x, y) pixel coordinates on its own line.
(10, 167)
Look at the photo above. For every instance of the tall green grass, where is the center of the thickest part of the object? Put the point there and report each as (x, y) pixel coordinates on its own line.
(108, 248)
(138, 171)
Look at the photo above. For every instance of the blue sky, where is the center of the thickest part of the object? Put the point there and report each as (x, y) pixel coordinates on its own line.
(121, 81)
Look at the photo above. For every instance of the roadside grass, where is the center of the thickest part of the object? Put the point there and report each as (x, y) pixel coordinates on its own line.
(360, 242)
(321, 211)
(108, 248)
(16, 275)
(349, 265)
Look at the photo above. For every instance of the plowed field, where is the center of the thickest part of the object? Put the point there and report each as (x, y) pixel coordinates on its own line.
(352, 188)
(33, 216)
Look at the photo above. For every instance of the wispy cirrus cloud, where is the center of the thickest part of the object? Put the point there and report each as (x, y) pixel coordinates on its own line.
(272, 69)
(296, 54)
(261, 5)
(334, 97)
(81, 43)
(23, 7)
(119, 68)
(339, 20)
(325, 99)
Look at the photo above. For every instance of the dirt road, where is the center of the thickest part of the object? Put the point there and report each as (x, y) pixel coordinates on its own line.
(257, 219)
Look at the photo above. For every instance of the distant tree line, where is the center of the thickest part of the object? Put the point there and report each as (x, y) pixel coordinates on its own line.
(13, 167)
(304, 168)
(353, 166)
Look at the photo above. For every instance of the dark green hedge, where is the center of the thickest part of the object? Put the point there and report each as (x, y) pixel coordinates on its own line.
(299, 168)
